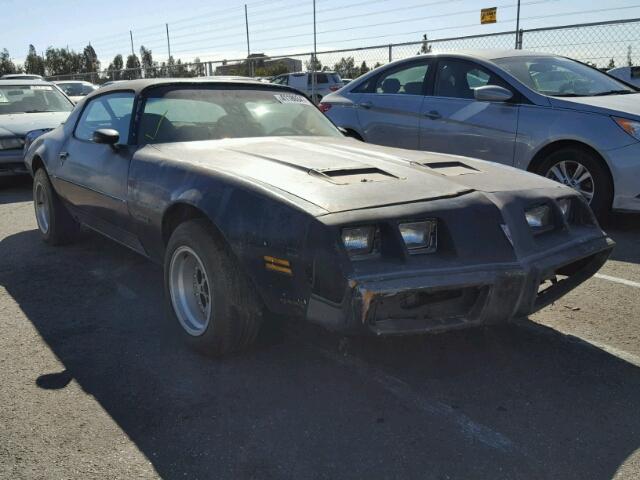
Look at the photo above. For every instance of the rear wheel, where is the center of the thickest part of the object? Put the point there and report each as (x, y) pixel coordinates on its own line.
(208, 295)
(55, 223)
(585, 173)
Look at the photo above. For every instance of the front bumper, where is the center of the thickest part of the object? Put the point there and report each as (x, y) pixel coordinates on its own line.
(625, 169)
(433, 301)
(12, 162)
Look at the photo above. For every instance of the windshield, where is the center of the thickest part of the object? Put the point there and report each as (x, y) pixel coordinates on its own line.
(32, 99)
(561, 77)
(207, 113)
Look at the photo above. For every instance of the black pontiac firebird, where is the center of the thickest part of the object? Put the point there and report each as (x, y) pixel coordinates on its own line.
(255, 202)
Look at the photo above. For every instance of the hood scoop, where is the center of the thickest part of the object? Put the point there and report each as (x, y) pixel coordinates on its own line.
(346, 176)
(450, 169)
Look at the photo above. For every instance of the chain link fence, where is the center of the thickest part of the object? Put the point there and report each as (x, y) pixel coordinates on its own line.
(603, 44)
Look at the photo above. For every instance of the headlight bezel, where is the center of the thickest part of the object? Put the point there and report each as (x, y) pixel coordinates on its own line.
(371, 232)
(544, 214)
(430, 235)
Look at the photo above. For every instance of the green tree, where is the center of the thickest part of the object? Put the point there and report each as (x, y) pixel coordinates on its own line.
(147, 63)
(197, 68)
(346, 68)
(90, 62)
(611, 64)
(313, 65)
(629, 61)
(114, 70)
(34, 63)
(132, 67)
(363, 68)
(6, 64)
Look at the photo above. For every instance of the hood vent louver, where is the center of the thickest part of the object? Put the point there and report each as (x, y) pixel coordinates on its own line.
(346, 176)
(451, 169)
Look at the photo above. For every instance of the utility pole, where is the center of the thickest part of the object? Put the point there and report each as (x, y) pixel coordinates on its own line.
(313, 63)
(246, 23)
(132, 51)
(168, 42)
(518, 46)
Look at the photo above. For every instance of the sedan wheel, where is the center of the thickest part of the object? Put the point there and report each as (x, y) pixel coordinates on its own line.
(190, 290)
(574, 175)
(585, 172)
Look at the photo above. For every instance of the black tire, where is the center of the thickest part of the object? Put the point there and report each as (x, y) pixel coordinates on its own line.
(60, 228)
(236, 312)
(602, 186)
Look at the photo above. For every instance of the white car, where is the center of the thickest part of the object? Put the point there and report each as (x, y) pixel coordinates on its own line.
(326, 83)
(76, 90)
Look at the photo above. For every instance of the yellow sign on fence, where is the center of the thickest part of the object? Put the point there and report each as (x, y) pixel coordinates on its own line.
(488, 15)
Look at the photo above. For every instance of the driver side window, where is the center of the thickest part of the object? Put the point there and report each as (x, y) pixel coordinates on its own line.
(107, 111)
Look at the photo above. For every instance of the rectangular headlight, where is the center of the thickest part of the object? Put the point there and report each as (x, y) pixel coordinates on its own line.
(539, 218)
(419, 237)
(10, 143)
(358, 240)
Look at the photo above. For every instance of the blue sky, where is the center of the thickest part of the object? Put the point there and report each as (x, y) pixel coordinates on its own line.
(215, 30)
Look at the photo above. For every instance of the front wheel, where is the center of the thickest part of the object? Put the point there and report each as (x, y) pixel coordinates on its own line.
(208, 295)
(585, 173)
(54, 221)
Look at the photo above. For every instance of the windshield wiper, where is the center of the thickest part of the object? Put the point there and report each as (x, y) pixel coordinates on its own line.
(39, 111)
(567, 95)
(613, 92)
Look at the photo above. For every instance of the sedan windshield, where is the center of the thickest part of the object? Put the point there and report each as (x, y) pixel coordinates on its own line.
(32, 99)
(561, 77)
(210, 112)
(77, 89)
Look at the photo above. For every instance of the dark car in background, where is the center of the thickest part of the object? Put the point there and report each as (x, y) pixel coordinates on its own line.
(253, 202)
(27, 106)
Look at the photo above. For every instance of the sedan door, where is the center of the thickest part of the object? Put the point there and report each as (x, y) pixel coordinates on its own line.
(390, 104)
(93, 177)
(453, 121)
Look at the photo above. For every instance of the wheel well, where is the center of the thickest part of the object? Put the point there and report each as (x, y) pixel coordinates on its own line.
(177, 214)
(36, 164)
(547, 150)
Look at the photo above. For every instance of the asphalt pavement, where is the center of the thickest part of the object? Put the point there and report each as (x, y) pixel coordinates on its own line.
(95, 383)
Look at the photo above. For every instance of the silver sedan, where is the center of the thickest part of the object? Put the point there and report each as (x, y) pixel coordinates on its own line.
(543, 113)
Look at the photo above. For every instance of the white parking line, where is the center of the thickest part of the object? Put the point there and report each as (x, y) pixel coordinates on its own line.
(401, 390)
(621, 281)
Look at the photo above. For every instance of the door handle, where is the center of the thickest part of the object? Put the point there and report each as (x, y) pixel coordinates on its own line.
(366, 105)
(433, 115)
(63, 155)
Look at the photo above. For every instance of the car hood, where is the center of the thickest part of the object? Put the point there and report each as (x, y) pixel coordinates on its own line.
(624, 105)
(340, 174)
(19, 124)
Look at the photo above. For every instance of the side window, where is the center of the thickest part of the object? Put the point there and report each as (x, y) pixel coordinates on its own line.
(407, 80)
(281, 80)
(458, 78)
(320, 78)
(107, 111)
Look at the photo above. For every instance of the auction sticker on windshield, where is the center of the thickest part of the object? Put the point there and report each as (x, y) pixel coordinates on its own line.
(291, 98)
(41, 87)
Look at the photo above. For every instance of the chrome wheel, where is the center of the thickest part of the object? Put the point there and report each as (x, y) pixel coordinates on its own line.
(41, 203)
(574, 175)
(190, 290)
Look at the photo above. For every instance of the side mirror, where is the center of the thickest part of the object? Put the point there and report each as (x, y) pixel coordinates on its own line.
(107, 136)
(492, 93)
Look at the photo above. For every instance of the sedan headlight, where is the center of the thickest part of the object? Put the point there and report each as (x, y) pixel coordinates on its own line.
(419, 237)
(10, 143)
(630, 126)
(539, 218)
(358, 240)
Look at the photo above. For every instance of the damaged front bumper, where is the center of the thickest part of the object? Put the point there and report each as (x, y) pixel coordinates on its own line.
(438, 300)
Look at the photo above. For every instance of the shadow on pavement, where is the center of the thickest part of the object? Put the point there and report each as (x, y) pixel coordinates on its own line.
(15, 189)
(283, 410)
(625, 230)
